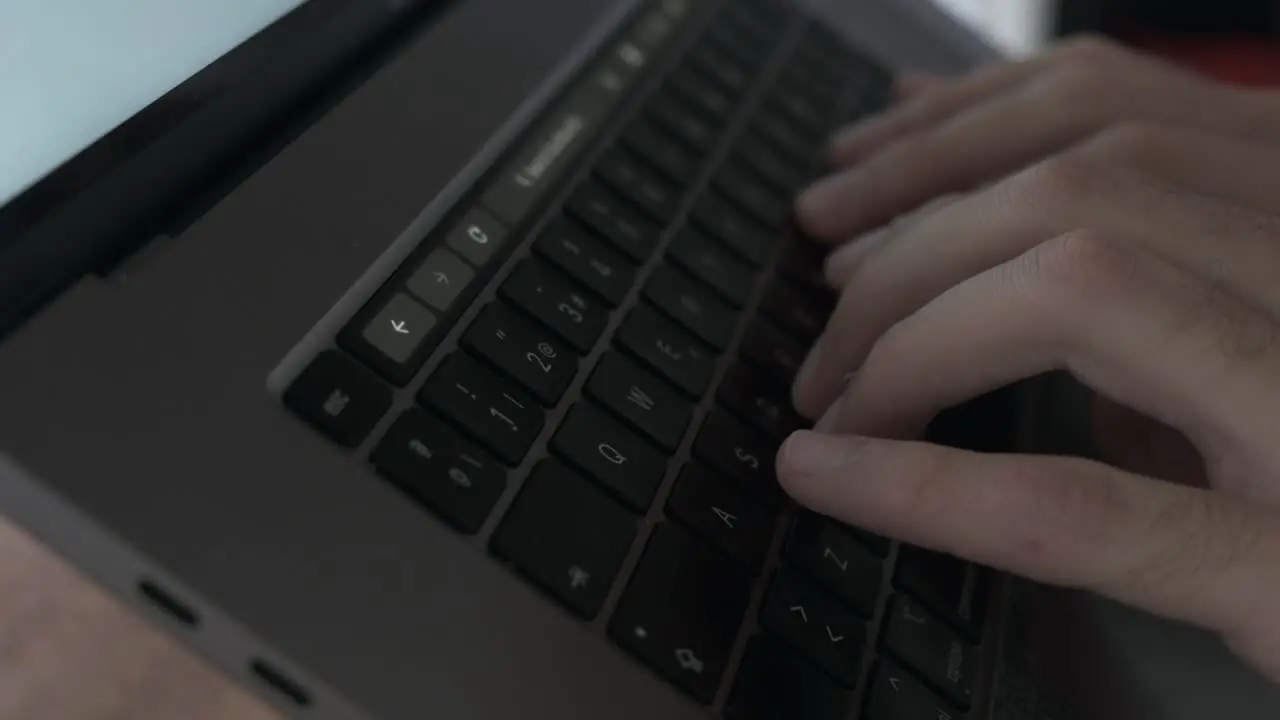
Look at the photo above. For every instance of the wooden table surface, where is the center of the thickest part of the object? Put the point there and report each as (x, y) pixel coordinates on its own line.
(70, 651)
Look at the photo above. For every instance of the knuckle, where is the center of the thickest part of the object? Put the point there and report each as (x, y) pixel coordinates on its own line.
(1081, 265)
(1197, 535)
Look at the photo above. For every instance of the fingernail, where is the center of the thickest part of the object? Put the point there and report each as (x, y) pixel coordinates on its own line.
(812, 453)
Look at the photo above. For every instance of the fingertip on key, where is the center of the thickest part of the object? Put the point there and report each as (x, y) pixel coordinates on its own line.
(818, 208)
(809, 453)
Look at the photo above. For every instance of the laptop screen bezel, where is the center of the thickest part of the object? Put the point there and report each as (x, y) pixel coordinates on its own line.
(89, 209)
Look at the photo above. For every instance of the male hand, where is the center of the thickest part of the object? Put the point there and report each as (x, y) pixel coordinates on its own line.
(1101, 213)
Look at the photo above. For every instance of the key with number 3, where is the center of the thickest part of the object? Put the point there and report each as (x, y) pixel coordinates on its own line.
(557, 302)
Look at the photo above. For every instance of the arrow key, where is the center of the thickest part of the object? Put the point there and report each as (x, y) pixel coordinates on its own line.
(896, 695)
(816, 625)
(441, 279)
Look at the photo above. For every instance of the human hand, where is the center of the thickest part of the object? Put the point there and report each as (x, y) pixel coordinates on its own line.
(1144, 260)
(948, 137)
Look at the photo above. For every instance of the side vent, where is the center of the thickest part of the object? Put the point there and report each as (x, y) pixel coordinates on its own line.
(281, 683)
(168, 603)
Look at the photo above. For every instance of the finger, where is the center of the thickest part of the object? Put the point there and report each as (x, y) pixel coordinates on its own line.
(1171, 344)
(1231, 169)
(910, 85)
(1176, 551)
(854, 143)
(962, 239)
(998, 137)
(842, 263)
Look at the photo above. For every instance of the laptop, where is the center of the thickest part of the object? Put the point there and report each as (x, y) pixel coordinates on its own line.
(419, 358)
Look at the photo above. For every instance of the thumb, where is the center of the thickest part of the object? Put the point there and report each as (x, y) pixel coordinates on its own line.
(1176, 551)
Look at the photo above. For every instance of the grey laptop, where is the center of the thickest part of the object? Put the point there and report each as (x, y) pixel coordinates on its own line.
(418, 359)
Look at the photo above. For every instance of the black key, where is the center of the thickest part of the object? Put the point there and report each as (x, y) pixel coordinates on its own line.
(612, 217)
(775, 683)
(641, 399)
(339, 398)
(726, 70)
(556, 301)
(779, 132)
(709, 262)
(770, 166)
(821, 549)
(611, 454)
(566, 536)
(730, 226)
(917, 639)
(683, 123)
(817, 626)
(777, 355)
(433, 464)
(720, 511)
(874, 96)
(803, 314)
(694, 306)
(533, 356)
(666, 348)
(820, 89)
(804, 263)
(824, 69)
(813, 120)
(761, 202)
(663, 152)
(878, 544)
(896, 695)
(589, 261)
(756, 19)
(716, 104)
(682, 610)
(761, 402)
(497, 414)
(954, 589)
(631, 179)
(741, 453)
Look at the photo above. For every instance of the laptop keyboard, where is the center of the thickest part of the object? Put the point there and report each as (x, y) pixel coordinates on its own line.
(596, 374)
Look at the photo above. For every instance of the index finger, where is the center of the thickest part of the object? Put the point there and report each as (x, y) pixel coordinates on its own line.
(1177, 551)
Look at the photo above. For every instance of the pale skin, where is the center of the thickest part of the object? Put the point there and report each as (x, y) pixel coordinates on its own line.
(1093, 210)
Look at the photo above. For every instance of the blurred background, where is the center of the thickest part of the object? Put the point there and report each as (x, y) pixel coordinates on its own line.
(1236, 40)
(1017, 26)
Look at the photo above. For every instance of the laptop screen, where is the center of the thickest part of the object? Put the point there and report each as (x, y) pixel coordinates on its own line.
(73, 70)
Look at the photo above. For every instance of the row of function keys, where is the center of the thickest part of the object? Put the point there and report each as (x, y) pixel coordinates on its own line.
(635, 190)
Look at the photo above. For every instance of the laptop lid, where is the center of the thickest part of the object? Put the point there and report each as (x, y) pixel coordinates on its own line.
(119, 116)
